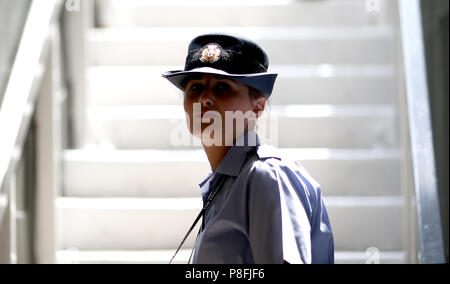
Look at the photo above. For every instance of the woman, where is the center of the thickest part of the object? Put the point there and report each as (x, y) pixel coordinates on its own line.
(260, 207)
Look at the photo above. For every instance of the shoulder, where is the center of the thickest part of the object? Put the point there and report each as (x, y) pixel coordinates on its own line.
(273, 165)
(274, 174)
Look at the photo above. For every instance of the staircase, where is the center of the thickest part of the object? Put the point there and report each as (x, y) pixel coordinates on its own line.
(129, 195)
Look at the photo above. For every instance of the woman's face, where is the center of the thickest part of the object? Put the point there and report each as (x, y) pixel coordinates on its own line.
(217, 95)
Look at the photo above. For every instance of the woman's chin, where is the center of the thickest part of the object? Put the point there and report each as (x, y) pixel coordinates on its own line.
(211, 136)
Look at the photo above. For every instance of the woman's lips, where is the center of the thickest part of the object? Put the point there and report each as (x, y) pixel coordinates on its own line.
(207, 115)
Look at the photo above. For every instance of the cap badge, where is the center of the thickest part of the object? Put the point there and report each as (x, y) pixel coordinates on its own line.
(211, 53)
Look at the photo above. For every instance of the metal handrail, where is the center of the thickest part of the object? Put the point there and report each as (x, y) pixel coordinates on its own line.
(12, 20)
(26, 72)
(421, 137)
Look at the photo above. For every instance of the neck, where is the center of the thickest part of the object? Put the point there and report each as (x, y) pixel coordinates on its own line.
(215, 155)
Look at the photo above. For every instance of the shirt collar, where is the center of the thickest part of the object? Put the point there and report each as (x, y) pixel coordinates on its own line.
(234, 159)
(206, 178)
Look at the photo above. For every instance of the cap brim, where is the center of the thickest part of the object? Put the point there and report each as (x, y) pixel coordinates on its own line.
(262, 82)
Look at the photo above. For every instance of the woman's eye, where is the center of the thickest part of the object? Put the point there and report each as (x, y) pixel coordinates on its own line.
(196, 88)
(222, 87)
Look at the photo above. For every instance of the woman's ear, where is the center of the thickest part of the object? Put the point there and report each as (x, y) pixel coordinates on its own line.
(258, 106)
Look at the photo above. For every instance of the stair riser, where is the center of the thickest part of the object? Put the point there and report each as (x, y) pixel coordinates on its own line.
(354, 228)
(326, 132)
(144, 86)
(148, 257)
(149, 179)
(345, 13)
(308, 51)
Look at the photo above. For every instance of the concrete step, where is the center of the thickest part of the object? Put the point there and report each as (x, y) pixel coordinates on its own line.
(75, 256)
(296, 84)
(324, 126)
(385, 257)
(243, 13)
(160, 223)
(285, 45)
(164, 256)
(143, 173)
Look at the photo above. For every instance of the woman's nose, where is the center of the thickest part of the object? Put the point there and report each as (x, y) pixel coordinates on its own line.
(205, 99)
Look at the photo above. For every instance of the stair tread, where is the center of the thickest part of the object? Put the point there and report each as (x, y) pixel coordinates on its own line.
(177, 112)
(284, 70)
(141, 223)
(144, 171)
(163, 256)
(163, 13)
(193, 203)
(151, 155)
(182, 33)
(202, 3)
(318, 83)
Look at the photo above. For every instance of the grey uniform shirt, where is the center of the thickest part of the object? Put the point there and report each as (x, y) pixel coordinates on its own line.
(269, 210)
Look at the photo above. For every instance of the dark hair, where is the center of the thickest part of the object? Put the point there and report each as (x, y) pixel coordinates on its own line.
(254, 93)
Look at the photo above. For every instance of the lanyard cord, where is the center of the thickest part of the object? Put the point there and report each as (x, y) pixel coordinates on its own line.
(202, 212)
(195, 244)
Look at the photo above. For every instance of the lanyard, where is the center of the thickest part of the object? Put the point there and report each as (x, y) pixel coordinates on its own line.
(202, 212)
